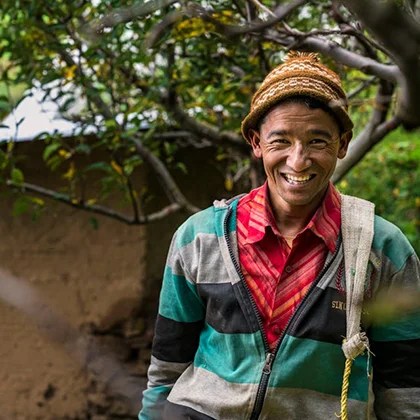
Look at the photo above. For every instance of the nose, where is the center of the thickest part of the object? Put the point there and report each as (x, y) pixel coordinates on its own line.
(298, 159)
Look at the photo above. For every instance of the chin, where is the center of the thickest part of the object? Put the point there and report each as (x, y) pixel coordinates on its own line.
(295, 199)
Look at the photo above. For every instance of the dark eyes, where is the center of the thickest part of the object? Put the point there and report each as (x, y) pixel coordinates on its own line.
(313, 144)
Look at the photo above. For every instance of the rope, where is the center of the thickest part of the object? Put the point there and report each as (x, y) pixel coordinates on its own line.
(345, 390)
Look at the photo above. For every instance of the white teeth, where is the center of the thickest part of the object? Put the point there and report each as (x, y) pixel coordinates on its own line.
(293, 178)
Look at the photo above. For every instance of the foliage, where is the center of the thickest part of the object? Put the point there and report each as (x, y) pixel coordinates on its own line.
(123, 81)
(388, 176)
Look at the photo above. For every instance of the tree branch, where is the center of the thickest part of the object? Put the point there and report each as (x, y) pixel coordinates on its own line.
(95, 208)
(403, 42)
(365, 84)
(263, 8)
(280, 13)
(169, 185)
(202, 129)
(376, 129)
(332, 49)
(367, 43)
(124, 15)
(364, 142)
(67, 58)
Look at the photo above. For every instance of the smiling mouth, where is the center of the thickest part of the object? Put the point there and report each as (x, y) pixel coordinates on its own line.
(297, 180)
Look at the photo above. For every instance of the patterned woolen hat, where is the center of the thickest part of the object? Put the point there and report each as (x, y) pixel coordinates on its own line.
(301, 75)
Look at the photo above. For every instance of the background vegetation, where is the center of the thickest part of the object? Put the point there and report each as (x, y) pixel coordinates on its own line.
(148, 78)
(388, 176)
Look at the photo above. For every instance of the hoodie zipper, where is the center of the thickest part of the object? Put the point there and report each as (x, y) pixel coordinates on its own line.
(270, 357)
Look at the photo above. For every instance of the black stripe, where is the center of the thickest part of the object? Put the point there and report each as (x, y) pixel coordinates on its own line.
(180, 412)
(396, 363)
(223, 311)
(324, 319)
(176, 341)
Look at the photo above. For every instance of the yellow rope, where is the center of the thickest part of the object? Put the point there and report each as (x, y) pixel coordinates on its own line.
(345, 390)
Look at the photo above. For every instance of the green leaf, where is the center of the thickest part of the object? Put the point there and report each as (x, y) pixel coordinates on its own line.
(6, 106)
(98, 166)
(49, 150)
(20, 206)
(83, 148)
(54, 162)
(182, 166)
(94, 222)
(17, 176)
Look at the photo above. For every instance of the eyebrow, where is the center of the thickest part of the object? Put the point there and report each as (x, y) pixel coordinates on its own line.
(315, 131)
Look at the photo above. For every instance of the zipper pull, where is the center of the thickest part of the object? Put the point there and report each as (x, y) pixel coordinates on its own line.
(268, 363)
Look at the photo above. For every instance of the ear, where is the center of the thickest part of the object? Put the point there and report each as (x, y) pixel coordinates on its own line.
(254, 138)
(344, 144)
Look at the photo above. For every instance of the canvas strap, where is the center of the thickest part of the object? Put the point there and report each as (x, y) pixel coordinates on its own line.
(357, 226)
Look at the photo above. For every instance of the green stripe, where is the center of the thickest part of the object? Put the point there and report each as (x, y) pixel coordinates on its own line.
(233, 357)
(392, 242)
(153, 402)
(179, 300)
(208, 221)
(319, 366)
(407, 328)
(201, 222)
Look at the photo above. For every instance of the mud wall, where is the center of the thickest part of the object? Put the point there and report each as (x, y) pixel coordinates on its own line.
(104, 282)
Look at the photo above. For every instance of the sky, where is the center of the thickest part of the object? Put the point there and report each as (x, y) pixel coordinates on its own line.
(39, 116)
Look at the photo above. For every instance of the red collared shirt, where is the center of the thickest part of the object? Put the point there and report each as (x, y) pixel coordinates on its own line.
(277, 275)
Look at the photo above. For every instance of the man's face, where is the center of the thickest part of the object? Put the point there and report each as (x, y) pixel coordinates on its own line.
(299, 147)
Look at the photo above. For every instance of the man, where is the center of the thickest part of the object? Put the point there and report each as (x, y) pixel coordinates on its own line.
(255, 293)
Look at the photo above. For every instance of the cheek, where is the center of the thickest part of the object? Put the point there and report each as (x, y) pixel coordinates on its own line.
(273, 161)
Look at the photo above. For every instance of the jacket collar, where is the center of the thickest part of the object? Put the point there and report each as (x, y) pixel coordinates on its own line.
(325, 223)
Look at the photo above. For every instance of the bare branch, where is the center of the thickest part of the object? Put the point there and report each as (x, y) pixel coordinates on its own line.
(263, 8)
(365, 84)
(158, 30)
(403, 42)
(364, 142)
(202, 129)
(376, 129)
(169, 185)
(133, 198)
(413, 8)
(336, 52)
(351, 59)
(67, 58)
(254, 26)
(367, 43)
(94, 208)
(125, 15)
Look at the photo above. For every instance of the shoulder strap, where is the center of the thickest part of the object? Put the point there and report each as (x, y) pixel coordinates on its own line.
(357, 221)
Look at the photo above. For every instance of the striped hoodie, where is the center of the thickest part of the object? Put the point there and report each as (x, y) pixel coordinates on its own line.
(210, 357)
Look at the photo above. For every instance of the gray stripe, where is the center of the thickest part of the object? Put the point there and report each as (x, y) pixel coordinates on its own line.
(231, 270)
(397, 403)
(174, 261)
(202, 257)
(298, 404)
(164, 373)
(329, 277)
(386, 275)
(205, 392)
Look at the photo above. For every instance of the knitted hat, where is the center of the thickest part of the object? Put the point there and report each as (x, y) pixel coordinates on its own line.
(301, 75)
